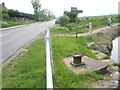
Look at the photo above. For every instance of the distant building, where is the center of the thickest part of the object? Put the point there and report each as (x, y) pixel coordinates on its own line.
(2, 6)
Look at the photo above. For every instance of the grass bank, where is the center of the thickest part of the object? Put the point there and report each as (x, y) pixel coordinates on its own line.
(5, 24)
(28, 70)
(102, 41)
(63, 77)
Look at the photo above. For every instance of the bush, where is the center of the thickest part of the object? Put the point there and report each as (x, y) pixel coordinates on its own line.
(4, 24)
(4, 14)
(63, 20)
(71, 15)
(15, 13)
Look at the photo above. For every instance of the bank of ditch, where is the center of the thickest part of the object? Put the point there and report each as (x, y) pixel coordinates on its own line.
(102, 41)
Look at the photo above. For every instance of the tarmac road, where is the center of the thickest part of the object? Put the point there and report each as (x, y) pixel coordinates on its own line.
(14, 38)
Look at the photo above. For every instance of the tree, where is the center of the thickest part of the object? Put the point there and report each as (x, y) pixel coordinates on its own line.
(41, 15)
(36, 6)
(71, 15)
(45, 15)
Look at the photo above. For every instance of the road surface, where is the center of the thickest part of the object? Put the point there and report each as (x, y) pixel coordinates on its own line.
(14, 39)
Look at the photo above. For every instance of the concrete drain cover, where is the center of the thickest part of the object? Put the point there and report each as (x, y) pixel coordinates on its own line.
(90, 65)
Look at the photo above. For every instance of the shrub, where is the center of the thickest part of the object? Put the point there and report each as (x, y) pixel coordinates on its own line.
(4, 14)
(71, 15)
(4, 24)
(15, 13)
(63, 20)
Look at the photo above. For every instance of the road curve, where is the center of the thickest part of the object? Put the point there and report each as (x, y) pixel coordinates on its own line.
(13, 39)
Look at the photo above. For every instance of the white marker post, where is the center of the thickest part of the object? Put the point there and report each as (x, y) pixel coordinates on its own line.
(110, 22)
(90, 27)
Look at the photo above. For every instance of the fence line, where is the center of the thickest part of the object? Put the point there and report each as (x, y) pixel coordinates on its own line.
(80, 26)
(89, 24)
(49, 62)
(90, 28)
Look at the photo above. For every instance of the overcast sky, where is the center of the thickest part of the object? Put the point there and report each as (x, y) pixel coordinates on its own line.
(89, 7)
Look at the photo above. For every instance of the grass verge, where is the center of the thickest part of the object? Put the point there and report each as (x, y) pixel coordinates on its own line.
(5, 24)
(28, 70)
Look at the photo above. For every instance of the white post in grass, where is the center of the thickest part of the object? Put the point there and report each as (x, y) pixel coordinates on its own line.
(49, 79)
(90, 27)
(110, 22)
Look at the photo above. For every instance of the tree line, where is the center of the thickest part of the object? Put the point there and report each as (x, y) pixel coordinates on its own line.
(39, 14)
(9, 13)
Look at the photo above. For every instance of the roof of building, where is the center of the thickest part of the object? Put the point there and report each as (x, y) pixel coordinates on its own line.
(2, 6)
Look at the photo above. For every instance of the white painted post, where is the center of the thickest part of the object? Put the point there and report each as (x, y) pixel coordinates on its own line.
(110, 21)
(49, 79)
(90, 27)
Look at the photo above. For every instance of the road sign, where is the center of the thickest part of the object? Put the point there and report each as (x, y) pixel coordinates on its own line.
(77, 11)
(73, 8)
(74, 11)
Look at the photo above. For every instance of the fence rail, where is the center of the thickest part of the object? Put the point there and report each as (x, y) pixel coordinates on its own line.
(49, 62)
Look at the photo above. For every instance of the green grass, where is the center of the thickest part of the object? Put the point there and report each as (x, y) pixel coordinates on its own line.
(65, 46)
(116, 64)
(64, 77)
(5, 24)
(97, 22)
(28, 71)
(58, 29)
(87, 38)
